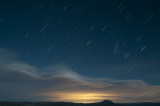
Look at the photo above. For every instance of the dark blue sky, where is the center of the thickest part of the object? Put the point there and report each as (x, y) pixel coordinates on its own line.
(123, 35)
(96, 38)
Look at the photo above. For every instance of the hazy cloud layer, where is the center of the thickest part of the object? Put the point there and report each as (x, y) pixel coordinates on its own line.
(20, 81)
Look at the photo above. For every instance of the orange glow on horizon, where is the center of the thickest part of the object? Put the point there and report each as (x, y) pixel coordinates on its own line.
(80, 97)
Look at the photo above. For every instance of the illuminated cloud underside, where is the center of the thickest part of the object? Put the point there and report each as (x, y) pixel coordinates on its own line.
(23, 82)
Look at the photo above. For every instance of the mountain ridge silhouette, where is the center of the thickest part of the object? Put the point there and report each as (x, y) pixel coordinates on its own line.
(102, 103)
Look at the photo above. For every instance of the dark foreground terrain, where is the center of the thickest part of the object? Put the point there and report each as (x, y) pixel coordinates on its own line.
(104, 103)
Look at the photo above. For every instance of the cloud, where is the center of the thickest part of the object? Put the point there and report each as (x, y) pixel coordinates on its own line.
(20, 81)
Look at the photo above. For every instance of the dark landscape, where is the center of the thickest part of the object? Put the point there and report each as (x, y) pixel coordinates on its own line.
(103, 103)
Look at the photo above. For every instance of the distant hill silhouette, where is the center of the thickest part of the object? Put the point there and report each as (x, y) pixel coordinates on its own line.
(103, 103)
(106, 102)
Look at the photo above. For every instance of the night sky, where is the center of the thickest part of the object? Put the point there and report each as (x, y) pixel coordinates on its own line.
(80, 50)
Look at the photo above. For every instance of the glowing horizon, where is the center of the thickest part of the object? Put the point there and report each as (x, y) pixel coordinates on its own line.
(80, 97)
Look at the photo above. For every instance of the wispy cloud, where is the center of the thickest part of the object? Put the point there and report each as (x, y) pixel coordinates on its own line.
(20, 81)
